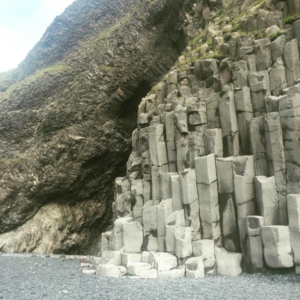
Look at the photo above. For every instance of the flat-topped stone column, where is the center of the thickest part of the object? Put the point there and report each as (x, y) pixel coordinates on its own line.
(137, 199)
(260, 90)
(196, 144)
(255, 259)
(277, 247)
(229, 228)
(170, 141)
(267, 200)
(229, 123)
(132, 237)
(205, 249)
(182, 149)
(150, 223)
(158, 157)
(289, 110)
(244, 109)
(174, 220)
(240, 74)
(176, 192)
(258, 147)
(122, 196)
(190, 201)
(208, 197)
(276, 160)
(163, 210)
(183, 242)
(243, 169)
(293, 202)
(214, 142)
(144, 150)
(212, 111)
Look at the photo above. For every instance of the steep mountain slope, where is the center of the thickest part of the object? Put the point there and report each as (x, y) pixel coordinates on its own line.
(213, 179)
(66, 116)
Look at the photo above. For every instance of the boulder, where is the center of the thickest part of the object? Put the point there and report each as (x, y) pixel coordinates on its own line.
(208, 197)
(194, 267)
(130, 257)
(255, 259)
(229, 264)
(163, 261)
(263, 54)
(276, 160)
(277, 77)
(291, 61)
(205, 249)
(229, 124)
(137, 268)
(214, 142)
(132, 237)
(172, 274)
(277, 247)
(111, 258)
(183, 242)
(108, 270)
(174, 220)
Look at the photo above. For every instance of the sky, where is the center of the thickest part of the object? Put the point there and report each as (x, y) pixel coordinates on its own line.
(22, 24)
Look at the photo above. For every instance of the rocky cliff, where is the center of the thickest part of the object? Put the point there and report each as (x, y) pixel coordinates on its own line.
(206, 132)
(67, 114)
(212, 183)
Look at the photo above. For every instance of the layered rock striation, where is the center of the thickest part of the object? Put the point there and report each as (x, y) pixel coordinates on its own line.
(215, 183)
(66, 117)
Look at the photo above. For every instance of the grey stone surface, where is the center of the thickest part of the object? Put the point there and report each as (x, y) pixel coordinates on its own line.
(208, 197)
(276, 160)
(258, 146)
(194, 267)
(244, 191)
(277, 246)
(293, 202)
(267, 200)
(291, 60)
(229, 264)
(290, 125)
(260, 90)
(255, 260)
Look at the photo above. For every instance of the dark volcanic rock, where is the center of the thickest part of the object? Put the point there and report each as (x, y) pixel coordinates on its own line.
(66, 117)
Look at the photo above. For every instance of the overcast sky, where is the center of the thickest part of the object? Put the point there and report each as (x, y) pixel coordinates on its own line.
(22, 24)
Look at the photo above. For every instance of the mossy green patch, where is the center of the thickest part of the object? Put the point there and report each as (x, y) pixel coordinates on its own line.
(52, 70)
(291, 19)
(274, 36)
(259, 34)
(196, 40)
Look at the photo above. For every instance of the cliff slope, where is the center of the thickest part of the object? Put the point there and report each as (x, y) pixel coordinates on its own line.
(66, 116)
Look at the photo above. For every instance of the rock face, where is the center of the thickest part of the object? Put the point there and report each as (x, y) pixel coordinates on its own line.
(66, 118)
(219, 151)
(211, 185)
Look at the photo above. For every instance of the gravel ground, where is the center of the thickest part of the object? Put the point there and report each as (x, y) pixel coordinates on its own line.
(51, 278)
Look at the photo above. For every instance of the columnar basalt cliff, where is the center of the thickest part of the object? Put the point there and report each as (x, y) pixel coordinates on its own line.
(210, 91)
(212, 183)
